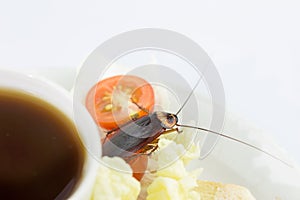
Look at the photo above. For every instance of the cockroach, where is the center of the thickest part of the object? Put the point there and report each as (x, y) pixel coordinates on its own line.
(141, 135)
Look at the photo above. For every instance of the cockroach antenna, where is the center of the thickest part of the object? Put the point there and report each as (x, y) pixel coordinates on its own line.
(189, 96)
(237, 140)
(223, 135)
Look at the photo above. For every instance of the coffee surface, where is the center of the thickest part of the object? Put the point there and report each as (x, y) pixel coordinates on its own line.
(41, 155)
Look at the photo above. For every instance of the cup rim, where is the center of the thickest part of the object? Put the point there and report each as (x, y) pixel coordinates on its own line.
(61, 99)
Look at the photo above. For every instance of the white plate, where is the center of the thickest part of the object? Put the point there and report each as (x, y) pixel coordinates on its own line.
(229, 162)
(265, 177)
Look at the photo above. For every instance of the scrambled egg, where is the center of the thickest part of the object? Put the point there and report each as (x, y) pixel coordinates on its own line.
(172, 180)
(114, 181)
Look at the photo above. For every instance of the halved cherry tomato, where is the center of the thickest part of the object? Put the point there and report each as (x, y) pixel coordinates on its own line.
(116, 100)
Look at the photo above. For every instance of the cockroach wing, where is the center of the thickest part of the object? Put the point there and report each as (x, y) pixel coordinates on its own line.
(133, 136)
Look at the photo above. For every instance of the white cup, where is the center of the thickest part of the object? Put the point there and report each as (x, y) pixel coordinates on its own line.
(62, 100)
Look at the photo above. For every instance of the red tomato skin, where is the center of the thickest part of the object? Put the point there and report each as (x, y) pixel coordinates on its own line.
(94, 103)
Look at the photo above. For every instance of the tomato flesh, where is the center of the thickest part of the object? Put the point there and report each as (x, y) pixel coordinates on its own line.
(116, 100)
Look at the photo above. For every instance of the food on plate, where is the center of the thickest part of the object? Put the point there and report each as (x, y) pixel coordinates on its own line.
(166, 173)
(114, 181)
(138, 137)
(171, 181)
(170, 178)
(117, 100)
(112, 101)
(218, 191)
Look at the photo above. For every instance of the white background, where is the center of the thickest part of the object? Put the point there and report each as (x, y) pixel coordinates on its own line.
(254, 44)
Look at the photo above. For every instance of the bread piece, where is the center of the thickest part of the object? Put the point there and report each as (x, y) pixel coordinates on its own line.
(220, 191)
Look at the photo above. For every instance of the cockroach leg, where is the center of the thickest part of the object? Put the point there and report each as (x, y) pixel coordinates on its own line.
(140, 107)
(154, 149)
(104, 140)
(107, 133)
(178, 131)
(111, 131)
(172, 130)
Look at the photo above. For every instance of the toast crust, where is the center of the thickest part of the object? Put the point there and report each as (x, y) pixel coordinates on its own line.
(219, 191)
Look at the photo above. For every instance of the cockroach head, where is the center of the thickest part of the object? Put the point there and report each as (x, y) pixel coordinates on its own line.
(168, 120)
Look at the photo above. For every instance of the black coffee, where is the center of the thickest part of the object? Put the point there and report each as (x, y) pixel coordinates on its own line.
(41, 155)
